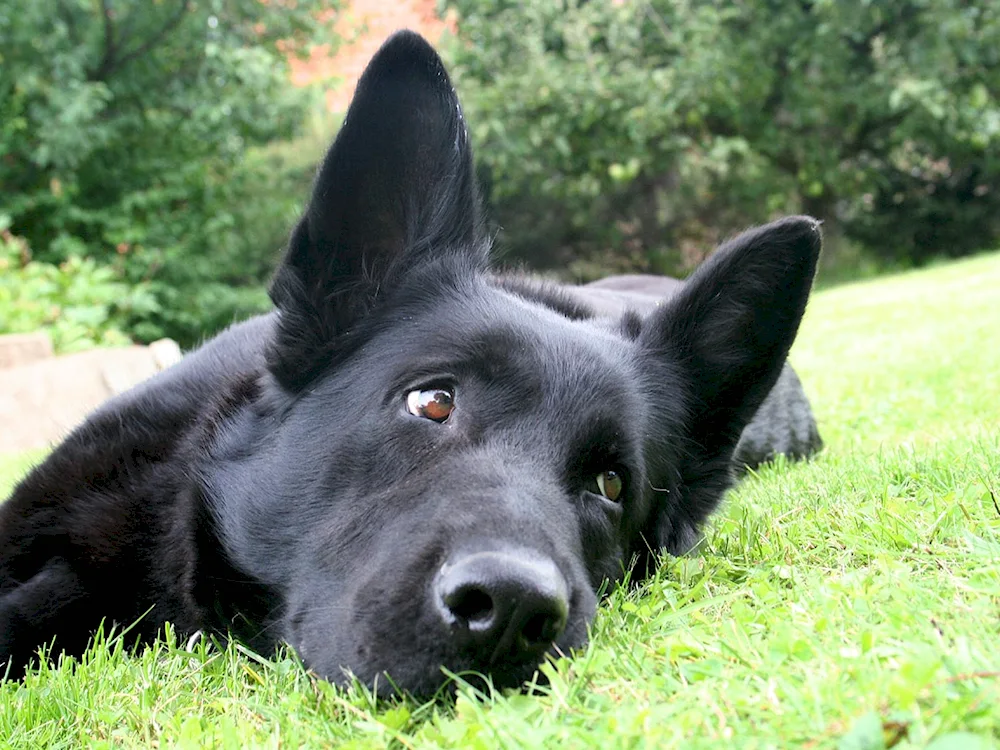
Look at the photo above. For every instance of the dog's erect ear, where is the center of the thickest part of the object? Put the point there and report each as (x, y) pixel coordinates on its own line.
(728, 333)
(395, 190)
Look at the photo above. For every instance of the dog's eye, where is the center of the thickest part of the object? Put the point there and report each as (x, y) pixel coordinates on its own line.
(609, 484)
(436, 404)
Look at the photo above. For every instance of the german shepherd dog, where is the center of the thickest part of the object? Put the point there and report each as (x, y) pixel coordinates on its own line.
(412, 463)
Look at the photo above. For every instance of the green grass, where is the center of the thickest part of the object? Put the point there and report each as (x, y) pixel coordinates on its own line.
(849, 602)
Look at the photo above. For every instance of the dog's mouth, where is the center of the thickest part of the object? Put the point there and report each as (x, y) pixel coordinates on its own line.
(508, 677)
(441, 680)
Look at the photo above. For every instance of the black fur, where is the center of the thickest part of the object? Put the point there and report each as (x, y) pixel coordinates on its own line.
(274, 485)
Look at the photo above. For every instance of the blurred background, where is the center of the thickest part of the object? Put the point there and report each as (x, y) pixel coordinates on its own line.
(155, 153)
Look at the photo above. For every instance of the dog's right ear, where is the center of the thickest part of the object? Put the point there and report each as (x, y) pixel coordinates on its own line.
(395, 190)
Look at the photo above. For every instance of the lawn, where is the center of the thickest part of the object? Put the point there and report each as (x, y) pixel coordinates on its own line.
(852, 602)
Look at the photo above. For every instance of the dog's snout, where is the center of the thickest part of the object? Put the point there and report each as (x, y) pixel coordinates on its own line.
(503, 604)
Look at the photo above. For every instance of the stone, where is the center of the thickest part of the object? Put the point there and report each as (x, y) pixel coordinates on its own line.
(42, 401)
(24, 348)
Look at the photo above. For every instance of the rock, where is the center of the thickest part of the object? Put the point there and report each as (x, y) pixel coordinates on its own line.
(40, 402)
(165, 352)
(24, 348)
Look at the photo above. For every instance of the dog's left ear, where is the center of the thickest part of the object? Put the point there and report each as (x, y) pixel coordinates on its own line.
(725, 336)
(395, 191)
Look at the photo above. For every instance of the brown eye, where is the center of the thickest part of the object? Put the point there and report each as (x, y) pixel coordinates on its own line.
(436, 404)
(609, 484)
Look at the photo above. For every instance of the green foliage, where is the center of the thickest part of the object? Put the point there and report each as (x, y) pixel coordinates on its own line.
(79, 303)
(644, 131)
(125, 126)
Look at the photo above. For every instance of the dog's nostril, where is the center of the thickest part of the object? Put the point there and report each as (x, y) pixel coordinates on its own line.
(471, 604)
(543, 628)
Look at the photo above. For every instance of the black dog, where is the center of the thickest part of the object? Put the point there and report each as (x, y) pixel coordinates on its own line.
(411, 464)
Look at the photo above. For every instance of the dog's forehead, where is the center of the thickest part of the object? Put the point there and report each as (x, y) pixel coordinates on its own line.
(504, 336)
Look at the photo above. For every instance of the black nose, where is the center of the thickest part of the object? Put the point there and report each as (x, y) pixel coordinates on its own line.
(503, 604)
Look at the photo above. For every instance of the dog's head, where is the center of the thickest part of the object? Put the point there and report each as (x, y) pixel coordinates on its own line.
(445, 468)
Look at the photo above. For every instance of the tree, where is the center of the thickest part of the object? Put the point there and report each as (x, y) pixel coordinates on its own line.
(124, 126)
(659, 125)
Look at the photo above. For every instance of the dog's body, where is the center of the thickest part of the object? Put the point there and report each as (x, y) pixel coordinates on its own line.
(411, 464)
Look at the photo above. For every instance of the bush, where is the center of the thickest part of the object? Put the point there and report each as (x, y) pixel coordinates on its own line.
(127, 130)
(79, 303)
(639, 133)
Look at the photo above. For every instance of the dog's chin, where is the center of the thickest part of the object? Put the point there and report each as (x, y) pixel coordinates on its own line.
(428, 677)
(441, 681)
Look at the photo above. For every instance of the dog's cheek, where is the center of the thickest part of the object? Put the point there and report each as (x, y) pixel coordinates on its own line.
(394, 627)
(601, 542)
(317, 599)
(366, 613)
(311, 625)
